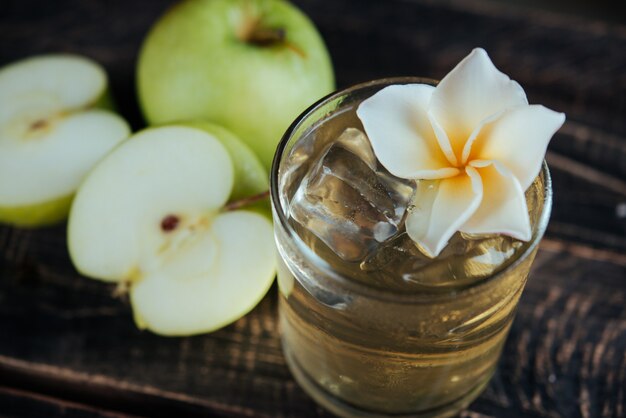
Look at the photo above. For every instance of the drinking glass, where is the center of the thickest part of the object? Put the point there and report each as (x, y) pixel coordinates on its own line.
(360, 349)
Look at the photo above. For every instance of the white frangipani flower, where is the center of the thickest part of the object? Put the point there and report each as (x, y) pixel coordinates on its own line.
(475, 133)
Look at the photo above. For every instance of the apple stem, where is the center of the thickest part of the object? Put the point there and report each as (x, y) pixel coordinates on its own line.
(265, 37)
(246, 201)
(121, 290)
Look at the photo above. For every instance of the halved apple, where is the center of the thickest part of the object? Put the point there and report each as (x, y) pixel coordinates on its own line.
(51, 134)
(250, 176)
(151, 214)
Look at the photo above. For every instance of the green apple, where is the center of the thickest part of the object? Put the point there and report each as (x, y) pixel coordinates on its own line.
(152, 215)
(51, 134)
(249, 65)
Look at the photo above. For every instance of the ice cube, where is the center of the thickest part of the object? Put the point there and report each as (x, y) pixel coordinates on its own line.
(348, 200)
(400, 264)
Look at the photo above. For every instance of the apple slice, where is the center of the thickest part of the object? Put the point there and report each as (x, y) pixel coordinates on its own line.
(51, 134)
(151, 214)
(250, 176)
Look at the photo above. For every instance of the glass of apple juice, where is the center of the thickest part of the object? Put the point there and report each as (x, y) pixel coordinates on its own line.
(371, 327)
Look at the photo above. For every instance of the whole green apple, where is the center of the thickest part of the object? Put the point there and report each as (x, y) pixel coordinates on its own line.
(249, 65)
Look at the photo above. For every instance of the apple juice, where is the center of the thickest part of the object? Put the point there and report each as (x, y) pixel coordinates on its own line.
(370, 325)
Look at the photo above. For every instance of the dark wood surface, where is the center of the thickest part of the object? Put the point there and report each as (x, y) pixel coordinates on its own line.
(67, 348)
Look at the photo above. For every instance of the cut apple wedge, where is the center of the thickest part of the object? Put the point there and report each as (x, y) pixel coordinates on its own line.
(151, 215)
(51, 134)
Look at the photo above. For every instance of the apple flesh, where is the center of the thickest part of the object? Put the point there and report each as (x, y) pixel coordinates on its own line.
(250, 177)
(51, 134)
(151, 215)
(249, 65)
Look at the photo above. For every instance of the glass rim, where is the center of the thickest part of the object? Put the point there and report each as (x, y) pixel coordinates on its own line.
(360, 287)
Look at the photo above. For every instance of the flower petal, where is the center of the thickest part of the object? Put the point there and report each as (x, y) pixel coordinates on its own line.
(443, 140)
(456, 201)
(518, 139)
(396, 122)
(503, 209)
(469, 145)
(474, 90)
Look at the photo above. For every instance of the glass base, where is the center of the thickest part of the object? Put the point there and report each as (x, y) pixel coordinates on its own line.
(346, 410)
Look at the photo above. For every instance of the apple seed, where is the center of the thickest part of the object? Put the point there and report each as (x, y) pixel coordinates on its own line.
(38, 124)
(169, 223)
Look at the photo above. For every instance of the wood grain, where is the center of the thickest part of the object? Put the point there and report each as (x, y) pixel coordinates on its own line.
(19, 403)
(65, 336)
(68, 348)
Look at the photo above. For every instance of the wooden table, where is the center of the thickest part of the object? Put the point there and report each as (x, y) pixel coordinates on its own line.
(67, 348)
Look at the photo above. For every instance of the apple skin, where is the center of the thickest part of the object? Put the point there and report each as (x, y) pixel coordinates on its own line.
(37, 215)
(195, 65)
